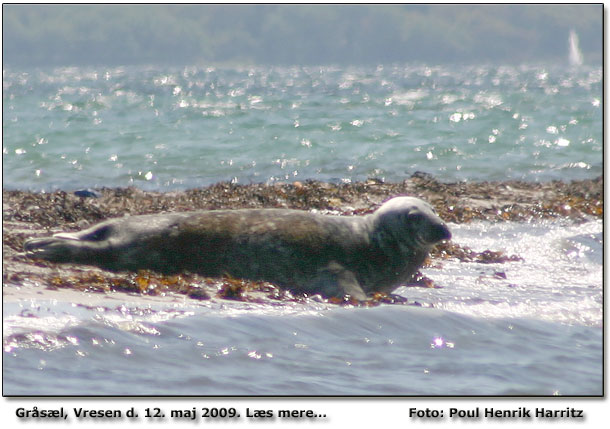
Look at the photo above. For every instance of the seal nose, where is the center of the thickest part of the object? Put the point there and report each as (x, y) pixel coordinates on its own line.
(439, 233)
(446, 234)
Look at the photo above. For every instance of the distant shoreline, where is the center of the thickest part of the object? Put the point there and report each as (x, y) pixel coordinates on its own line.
(297, 33)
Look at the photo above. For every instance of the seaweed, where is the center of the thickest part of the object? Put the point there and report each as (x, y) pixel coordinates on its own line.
(27, 214)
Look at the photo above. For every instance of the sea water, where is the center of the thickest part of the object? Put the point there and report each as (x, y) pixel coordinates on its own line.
(531, 327)
(162, 128)
(534, 330)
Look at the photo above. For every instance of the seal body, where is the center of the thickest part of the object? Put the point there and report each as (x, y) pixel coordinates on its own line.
(297, 250)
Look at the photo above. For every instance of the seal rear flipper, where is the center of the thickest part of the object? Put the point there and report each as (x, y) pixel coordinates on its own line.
(67, 235)
(59, 248)
(95, 233)
(50, 248)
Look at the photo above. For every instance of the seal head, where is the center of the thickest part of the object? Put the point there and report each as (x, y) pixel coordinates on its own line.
(402, 232)
(410, 222)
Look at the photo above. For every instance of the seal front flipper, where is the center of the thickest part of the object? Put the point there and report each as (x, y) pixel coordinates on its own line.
(336, 280)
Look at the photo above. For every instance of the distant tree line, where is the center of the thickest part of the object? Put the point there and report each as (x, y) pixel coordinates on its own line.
(295, 34)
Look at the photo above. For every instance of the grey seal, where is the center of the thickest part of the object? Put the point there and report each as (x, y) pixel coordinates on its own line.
(300, 251)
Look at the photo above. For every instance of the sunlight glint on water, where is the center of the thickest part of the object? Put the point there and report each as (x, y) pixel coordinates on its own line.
(178, 128)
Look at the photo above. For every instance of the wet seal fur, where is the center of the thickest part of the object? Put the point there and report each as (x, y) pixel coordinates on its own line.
(300, 251)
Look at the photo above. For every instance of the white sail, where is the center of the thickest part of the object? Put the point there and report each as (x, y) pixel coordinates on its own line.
(575, 54)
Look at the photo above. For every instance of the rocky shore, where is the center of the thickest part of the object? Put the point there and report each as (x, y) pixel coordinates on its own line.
(27, 214)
